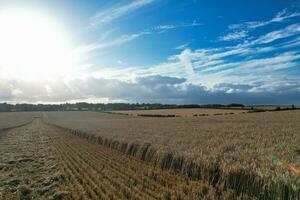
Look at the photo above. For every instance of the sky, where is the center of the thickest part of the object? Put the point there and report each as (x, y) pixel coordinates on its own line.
(151, 51)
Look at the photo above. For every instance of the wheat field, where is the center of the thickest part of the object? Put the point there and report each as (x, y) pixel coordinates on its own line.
(92, 155)
(42, 161)
(255, 153)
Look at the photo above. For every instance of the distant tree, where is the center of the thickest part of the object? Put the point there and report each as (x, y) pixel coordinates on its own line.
(236, 105)
(277, 108)
(4, 107)
(293, 107)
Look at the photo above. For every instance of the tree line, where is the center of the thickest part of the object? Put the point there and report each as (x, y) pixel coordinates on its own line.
(6, 107)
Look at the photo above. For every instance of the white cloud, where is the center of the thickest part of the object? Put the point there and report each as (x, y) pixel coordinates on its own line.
(241, 30)
(280, 17)
(85, 49)
(162, 89)
(219, 75)
(196, 23)
(114, 13)
(283, 15)
(292, 43)
(239, 64)
(257, 65)
(185, 59)
(211, 66)
(222, 74)
(164, 27)
(234, 36)
(288, 31)
(182, 46)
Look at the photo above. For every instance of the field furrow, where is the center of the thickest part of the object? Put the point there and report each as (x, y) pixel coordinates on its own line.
(99, 157)
(41, 161)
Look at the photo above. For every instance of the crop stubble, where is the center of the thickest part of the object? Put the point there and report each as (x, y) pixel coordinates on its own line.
(41, 161)
(240, 149)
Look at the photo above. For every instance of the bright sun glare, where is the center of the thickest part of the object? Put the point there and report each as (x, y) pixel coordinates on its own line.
(32, 45)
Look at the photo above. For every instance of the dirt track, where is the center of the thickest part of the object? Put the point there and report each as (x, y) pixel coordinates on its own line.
(39, 161)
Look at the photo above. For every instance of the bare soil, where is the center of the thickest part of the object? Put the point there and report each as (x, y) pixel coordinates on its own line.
(13, 119)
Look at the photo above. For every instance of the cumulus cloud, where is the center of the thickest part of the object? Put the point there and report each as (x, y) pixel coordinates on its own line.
(159, 80)
(162, 89)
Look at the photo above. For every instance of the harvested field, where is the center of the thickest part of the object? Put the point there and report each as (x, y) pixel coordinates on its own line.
(12, 119)
(28, 166)
(252, 153)
(182, 112)
(40, 161)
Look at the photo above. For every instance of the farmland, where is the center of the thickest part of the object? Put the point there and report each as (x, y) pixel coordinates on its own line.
(182, 112)
(96, 155)
(40, 161)
(10, 119)
(242, 146)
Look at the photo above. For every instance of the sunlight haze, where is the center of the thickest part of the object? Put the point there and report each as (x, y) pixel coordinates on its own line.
(150, 51)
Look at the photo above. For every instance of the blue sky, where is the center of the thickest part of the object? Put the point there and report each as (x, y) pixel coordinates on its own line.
(169, 52)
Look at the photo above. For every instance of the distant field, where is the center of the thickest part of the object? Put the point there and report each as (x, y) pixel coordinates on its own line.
(272, 107)
(11, 119)
(263, 144)
(182, 112)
